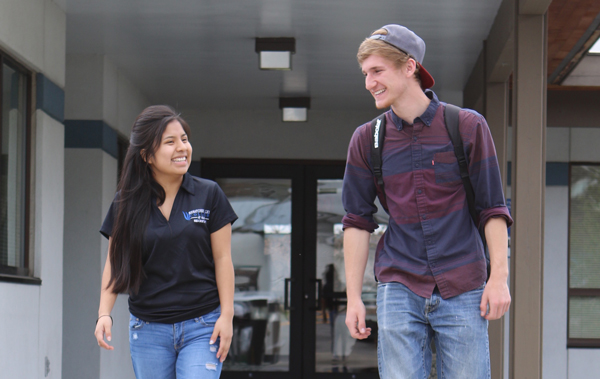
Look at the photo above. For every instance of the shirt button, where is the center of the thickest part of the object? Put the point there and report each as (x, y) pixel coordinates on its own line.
(424, 217)
(419, 191)
(416, 165)
(414, 138)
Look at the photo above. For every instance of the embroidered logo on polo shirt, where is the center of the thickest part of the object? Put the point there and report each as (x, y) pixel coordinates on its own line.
(197, 215)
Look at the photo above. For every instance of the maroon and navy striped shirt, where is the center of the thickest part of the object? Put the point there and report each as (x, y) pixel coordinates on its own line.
(431, 239)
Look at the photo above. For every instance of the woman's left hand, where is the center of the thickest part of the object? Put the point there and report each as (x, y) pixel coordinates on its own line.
(224, 331)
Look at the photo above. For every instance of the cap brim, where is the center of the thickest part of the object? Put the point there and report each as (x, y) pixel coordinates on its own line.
(426, 78)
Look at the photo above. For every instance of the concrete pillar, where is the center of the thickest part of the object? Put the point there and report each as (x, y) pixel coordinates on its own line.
(496, 112)
(528, 183)
(92, 105)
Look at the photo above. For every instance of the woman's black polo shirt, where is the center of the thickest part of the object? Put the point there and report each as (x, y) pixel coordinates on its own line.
(177, 259)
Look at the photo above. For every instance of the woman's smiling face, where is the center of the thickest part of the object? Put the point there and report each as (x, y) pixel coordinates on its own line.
(173, 154)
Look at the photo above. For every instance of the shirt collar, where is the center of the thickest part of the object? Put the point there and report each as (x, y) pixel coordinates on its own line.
(188, 183)
(426, 117)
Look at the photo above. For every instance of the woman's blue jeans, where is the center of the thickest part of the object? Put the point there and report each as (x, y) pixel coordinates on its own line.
(180, 350)
(407, 323)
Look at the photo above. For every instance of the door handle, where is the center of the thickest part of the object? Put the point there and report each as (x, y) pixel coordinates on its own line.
(286, 299)
(319, 301)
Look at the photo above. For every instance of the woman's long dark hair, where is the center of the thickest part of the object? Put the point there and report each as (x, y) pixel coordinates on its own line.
(137, 189)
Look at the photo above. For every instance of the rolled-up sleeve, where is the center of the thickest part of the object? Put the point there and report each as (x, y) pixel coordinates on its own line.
(484, 170)
(359, 190)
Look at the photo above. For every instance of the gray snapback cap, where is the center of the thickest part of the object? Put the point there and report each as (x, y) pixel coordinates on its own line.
(408, 42)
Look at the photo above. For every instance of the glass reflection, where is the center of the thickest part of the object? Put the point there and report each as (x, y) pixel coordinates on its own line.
(261, 252)
(336, 350)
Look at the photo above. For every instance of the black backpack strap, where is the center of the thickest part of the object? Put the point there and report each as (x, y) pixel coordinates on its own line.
(378, 134)
(451, 118)
(452, 122)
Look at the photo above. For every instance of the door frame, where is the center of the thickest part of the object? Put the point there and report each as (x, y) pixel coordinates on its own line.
(303, 298)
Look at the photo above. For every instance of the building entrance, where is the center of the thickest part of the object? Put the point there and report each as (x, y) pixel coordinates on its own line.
(287, 248)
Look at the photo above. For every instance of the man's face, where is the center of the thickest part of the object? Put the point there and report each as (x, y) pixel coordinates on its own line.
(386, 82)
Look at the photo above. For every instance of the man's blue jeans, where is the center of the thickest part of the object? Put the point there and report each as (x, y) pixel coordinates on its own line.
(407, 323)
(180, 350)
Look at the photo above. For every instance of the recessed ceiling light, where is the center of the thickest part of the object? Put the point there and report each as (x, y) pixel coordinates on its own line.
(294, 109)
(275, 53)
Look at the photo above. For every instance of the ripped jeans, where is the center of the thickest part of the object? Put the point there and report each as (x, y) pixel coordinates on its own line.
(180, 350)
(407, 324)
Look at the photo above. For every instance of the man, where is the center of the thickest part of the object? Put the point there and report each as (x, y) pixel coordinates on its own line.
(430, 266)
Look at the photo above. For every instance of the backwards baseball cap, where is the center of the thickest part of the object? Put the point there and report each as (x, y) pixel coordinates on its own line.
(408, 42)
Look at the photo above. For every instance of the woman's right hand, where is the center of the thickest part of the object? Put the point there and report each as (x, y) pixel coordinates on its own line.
(103, 329)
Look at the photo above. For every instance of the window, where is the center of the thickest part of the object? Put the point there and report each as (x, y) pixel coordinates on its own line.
(14, 166)
(584, 255)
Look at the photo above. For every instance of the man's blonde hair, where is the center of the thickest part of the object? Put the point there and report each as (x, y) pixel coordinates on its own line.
(378, 47)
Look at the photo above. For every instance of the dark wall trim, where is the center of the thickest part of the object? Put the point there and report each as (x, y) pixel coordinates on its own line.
(50, 98)
(557, 174)
(20, 279)
(583, 342)
(91, 134)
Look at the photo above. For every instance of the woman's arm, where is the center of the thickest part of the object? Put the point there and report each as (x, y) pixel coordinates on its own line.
(107, 302)
(221, 247)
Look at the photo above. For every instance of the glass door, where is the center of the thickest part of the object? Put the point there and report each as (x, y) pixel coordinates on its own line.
(287, 248)
(331, 349)
(265, 250)
(261, 251)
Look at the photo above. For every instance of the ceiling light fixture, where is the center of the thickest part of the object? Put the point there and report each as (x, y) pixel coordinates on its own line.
(275, 53)
(294, 109)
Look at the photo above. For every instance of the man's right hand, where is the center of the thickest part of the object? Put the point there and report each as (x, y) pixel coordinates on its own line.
(355, 320)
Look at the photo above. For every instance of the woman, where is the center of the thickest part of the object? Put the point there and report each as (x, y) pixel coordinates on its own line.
(169, 238)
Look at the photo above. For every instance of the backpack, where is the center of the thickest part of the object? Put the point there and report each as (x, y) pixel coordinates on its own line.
(451, 121)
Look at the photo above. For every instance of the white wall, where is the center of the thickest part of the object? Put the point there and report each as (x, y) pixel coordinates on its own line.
(49, 215)
(556, 236)
(33, 32)
(83, 215)
(262, 134)
(95, 90)
(32, 313)
(584, 363)
(90, 196)
(84, 87)
(114, 364)
(563, 145)
(20, 308)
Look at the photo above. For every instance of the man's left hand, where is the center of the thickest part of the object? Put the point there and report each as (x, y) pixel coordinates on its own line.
(495, 299)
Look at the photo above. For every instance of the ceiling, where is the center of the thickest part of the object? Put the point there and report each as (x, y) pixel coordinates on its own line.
(200, 54)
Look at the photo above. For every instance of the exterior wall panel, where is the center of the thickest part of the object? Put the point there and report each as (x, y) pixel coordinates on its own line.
(49, 217)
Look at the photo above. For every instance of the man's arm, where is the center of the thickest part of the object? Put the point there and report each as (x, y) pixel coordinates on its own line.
(484, 173)
(356, 253)
(496, 294)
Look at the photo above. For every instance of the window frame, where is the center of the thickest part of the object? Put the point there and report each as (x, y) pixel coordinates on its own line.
(24, 273)
(577, 292)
